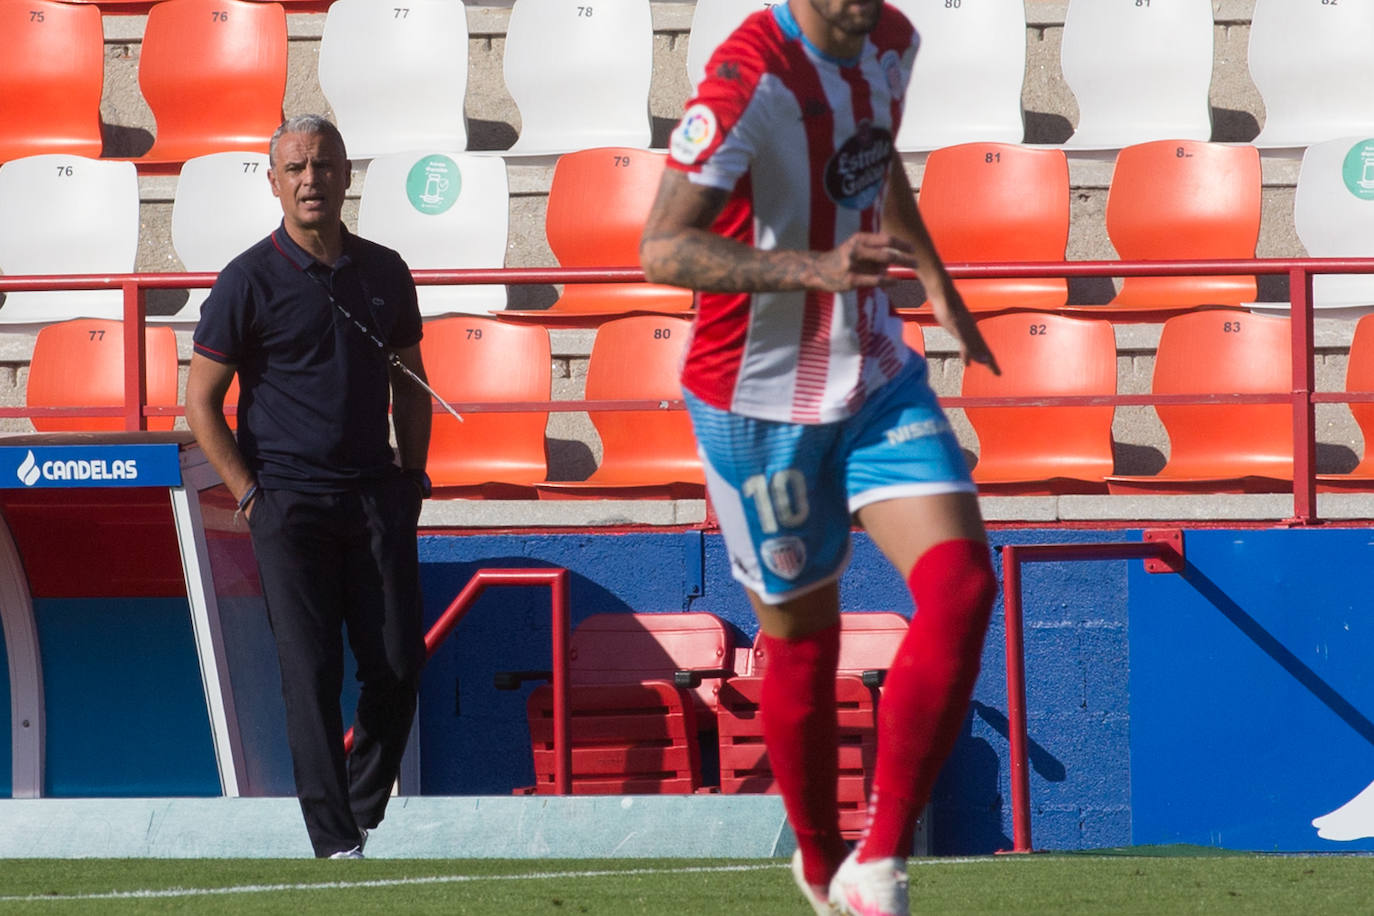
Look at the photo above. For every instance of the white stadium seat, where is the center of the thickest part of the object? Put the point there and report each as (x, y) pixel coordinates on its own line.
(966, 85)
(579, 72)
(712, 23)
(441, 211)
(1140, 71)
(66, 215)
(1333, 212)
(223, 205)
(396, 74)
(1310, 63)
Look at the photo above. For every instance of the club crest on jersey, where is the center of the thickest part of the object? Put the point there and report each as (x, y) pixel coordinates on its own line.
(784, 556)
(855, 173)
(693, 135)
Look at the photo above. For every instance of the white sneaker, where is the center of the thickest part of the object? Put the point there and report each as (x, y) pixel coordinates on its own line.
(815, 894)
(355, 853)
(877, 888)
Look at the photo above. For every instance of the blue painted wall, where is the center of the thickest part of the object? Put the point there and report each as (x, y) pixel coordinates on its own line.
(1252, 690)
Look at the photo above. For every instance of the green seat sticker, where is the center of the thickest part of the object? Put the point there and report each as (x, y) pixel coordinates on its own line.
(434, 184)
(1358, 170)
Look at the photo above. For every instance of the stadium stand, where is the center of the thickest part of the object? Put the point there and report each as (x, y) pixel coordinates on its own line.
(223, 204)
(645, 453)
(1043, 450)
(489, 454)
(441, 210)
(79, 216)
(598, 201)
(1182, 200)
(396, 75)
(80, 363)
(1139, 71)
(214, 74)
(999, 202)
(1222, 447)
(634, 729)
(1359, 377)
(580, 74)
(1333, 212)
(712, 21)
(52, 71)
(967, 82)
(1309, 64)
(868, 641)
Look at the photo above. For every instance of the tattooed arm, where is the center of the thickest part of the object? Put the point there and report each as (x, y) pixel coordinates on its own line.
(678, 248)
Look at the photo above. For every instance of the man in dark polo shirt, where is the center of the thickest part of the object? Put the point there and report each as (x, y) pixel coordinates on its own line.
(320, 327)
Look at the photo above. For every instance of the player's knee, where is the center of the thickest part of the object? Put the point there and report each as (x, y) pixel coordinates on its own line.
(954, 586)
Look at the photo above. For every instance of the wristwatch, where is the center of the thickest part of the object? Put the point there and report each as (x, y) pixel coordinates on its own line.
(418, 477)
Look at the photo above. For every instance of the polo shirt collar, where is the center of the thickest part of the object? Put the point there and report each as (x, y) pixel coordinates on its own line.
(304, 260)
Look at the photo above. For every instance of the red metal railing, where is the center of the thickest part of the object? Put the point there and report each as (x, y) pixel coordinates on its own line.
(557, 582)
(1162, 551)
(1302, 396)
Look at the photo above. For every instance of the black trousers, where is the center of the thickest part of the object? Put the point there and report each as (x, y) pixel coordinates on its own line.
(330, 563)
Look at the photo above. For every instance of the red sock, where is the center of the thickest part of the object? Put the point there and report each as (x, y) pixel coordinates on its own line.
(797, 707)
(927, 689)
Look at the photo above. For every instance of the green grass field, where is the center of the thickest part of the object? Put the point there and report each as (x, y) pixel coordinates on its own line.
(1117, 882)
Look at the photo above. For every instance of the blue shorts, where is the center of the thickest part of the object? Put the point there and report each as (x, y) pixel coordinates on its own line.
(784, 492)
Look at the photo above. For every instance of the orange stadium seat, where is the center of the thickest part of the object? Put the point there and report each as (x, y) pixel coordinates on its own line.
(1222, 448)
(999, 202)
(1359, 377)
(868, 641)
(80, 363)
(52, 70)
(598, 202)
(645, 453)
(1043, 450)
(1182, 199)
(914, 336)
(488, 455)
(634, 718)
(214, 74)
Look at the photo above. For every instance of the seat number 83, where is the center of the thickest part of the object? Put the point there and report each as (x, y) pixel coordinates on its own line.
(779, 500)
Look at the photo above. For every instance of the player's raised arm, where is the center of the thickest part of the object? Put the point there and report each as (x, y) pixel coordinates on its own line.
(902, 218)
(678, 248)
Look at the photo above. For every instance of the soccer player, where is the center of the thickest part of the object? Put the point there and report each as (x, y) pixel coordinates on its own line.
(786, 208)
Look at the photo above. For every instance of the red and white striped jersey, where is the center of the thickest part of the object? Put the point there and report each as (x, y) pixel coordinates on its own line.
(803, 142)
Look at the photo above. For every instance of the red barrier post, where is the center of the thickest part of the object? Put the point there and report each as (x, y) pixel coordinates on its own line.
(560, 614)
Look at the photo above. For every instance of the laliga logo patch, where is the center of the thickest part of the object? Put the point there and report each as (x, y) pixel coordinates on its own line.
(784, 556)
(856, 172)
(693, 135)
(27, 471)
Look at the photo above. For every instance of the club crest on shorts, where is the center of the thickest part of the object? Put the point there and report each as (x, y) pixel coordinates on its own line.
(784, 556)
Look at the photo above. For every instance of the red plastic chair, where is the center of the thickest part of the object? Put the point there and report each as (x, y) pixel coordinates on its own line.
(488, 455)
(1182, 199)
(868, 642)
(914, 336)
(644, 453)
(214, 74)
(1222, 448)
(1043, 450)
(1359, 377)
(999, 202)
(80, 363)
(52, 68)
(599, 200)
(634, 729)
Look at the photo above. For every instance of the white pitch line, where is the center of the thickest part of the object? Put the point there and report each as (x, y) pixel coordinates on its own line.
(180, 892)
